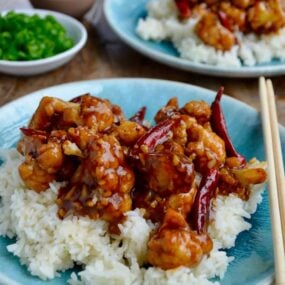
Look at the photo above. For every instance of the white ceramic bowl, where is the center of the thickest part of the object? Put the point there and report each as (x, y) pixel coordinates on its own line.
(74, 8)
(74, 30)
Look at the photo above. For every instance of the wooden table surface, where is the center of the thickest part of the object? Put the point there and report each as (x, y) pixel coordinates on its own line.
(105, 56)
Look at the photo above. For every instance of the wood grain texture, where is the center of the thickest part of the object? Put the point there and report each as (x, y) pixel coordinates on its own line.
(105, 56)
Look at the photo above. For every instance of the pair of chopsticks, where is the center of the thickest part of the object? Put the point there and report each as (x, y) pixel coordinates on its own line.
(276, 180)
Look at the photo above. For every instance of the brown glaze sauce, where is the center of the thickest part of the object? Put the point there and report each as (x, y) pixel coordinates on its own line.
(113, 165)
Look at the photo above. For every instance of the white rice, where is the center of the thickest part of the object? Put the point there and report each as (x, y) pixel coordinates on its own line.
(48, 245)
(162, 23)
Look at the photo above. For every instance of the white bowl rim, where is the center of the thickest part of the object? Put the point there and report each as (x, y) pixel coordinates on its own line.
(57, 15)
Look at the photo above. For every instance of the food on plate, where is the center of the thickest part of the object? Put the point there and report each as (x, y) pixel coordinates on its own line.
(24, 37)
(125, 199)
(223, 33)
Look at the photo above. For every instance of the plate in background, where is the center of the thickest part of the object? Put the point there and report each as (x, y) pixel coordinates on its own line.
(123, 16)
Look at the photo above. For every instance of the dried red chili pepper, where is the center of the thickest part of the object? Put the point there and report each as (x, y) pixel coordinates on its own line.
(34, 133)
(201, 207)
(184, 8)
(153, 137)
(138, 117)
(219, 126)
(223, 17)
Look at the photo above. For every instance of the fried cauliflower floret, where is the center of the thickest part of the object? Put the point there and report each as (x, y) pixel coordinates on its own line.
(167, 111)
(235, 17)
(129, 132)
(35, 177)
(101, 185)
(44, 157)
(174, 244)
(266, 16)
(86, 111)
(200, 110)
(204, 146)
(50, 108)
(212, 33)
(41, 165)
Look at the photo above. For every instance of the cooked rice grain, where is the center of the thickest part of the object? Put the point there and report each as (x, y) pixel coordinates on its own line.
(48, 245)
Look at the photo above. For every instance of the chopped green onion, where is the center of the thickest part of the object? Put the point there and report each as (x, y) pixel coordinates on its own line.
(24, 37)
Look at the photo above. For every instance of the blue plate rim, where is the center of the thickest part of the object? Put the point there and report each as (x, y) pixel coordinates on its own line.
(138, 79)
(176, 62)
(7, 281)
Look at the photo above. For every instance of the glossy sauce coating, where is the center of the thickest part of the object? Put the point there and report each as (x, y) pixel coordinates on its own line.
(190, 144)
(112, 165)
(174, 244)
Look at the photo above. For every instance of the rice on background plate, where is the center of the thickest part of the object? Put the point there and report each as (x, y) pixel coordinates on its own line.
(162, 23)
(48, 245)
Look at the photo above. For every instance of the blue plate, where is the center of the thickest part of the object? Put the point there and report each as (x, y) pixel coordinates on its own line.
(253, 252)
(123, 16)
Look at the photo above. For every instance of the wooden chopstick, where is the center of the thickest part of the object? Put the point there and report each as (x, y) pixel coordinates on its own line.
(272, 142)
(279, 166)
